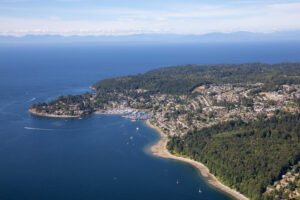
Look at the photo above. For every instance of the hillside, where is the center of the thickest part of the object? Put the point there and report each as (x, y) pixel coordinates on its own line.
(183, 79)
(245, 156)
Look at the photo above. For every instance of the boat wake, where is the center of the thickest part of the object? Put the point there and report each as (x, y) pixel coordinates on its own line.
(33, 99)
(37, 129)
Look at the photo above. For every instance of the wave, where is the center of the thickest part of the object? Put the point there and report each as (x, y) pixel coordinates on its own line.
(38, 129)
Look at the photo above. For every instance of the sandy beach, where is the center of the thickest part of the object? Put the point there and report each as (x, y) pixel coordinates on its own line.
(159, 149)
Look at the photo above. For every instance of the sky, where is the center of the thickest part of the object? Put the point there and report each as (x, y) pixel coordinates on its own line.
(126, 17)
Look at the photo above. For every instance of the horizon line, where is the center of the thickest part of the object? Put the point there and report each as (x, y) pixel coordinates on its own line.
(15, 35)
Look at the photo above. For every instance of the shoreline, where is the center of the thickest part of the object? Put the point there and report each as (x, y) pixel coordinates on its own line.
(159, 149)
(34, 112)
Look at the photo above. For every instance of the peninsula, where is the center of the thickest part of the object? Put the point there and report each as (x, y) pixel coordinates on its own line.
(240, 120)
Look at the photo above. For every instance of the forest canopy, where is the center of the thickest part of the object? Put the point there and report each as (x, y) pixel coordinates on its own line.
(183, 79)
(245, 156)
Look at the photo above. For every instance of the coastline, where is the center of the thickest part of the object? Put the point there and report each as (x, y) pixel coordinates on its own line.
(159, 149)
(34, 112)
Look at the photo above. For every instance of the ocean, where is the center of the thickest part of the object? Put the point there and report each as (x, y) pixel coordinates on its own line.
(100, 156)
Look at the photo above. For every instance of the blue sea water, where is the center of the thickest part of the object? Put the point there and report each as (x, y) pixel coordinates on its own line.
(98, 157)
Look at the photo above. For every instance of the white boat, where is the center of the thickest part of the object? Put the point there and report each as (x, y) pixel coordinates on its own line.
(199, 190)
(137, 128)
(177, 182)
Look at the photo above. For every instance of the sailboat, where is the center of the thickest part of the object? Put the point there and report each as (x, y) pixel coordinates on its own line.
(177, 182)
(199, 190)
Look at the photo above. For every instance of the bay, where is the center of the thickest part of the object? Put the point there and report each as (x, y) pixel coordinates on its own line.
(98, 157)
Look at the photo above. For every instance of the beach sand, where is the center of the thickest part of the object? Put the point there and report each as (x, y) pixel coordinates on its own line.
(159, 149)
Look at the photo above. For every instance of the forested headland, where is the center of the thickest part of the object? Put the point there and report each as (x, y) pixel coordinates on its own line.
(245, 156)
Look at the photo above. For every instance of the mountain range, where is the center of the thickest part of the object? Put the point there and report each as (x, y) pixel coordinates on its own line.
(159, 38)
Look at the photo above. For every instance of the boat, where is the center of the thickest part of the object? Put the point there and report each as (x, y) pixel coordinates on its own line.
(137, 128)
(177, 182)
(199, 190)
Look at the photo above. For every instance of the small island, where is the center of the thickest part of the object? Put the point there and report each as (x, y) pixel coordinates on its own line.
(237, 123)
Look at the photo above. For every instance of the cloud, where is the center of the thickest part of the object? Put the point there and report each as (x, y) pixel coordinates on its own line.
(178, 19)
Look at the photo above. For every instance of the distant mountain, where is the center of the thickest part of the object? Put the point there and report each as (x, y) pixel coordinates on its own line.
(158, 38)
